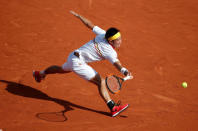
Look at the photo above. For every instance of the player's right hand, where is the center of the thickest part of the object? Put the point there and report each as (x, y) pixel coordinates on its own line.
(128, 73)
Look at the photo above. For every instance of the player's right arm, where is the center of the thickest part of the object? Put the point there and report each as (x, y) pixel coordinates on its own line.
(122, 69)
(85, 21)
(111, 56)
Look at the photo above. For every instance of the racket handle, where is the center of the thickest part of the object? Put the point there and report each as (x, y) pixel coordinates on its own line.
(127, 78)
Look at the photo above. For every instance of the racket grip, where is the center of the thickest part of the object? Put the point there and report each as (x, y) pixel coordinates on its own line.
(127, 78)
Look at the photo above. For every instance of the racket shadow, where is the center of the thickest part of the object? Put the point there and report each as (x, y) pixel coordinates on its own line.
(30, 92)
(52, 116)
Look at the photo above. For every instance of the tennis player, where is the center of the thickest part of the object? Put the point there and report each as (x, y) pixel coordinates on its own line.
(101, 47)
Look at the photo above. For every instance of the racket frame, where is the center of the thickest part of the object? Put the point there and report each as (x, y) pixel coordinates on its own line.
(119, 82)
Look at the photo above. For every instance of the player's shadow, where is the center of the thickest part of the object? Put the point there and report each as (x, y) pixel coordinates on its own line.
(27, 91)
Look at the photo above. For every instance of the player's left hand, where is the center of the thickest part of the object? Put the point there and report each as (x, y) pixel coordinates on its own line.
(74, 13)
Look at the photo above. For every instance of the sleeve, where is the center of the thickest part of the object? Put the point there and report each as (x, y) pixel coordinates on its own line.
(112, 59)
(110, 55)
(98, 31)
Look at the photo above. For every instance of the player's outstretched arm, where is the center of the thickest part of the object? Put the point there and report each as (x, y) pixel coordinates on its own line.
(87, 22)
(123, 70)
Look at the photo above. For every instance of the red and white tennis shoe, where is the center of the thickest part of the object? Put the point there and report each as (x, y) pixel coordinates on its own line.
(117, 109)
(37, 76)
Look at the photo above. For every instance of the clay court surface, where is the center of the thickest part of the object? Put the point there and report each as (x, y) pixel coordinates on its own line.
(160, 47)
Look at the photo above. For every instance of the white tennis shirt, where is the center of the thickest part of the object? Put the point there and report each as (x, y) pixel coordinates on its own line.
(98, 49)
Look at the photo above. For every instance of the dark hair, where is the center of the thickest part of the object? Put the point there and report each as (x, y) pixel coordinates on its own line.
(110, 32)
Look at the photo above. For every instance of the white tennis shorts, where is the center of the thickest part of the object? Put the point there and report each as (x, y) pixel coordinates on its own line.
(78, 66)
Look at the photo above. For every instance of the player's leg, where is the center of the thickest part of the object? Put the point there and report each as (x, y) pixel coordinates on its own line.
(88, 73)
(115, 108)
(40, 75)
(65, 68)
(100, 82)
(54, 69)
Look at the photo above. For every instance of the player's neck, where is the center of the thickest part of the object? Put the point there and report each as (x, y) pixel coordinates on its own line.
(112, 46)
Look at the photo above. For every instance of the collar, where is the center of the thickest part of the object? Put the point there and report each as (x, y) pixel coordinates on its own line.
(112, 46)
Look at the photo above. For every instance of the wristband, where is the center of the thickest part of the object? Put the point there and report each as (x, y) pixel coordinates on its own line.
(123, 70)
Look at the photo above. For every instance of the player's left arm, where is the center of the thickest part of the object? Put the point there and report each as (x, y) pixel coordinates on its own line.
(122, 69)
(87, 22)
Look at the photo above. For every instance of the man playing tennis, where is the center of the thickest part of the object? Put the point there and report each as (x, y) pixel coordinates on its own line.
(101, 47)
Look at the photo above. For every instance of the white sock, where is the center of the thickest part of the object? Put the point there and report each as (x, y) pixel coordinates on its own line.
(108, 101)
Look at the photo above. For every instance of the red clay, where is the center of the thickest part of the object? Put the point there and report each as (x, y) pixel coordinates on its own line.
(159, 47)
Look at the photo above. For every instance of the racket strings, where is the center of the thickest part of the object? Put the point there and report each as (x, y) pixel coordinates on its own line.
(113, 84)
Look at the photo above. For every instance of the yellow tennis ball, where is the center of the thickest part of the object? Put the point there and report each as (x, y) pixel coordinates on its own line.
(184, 84)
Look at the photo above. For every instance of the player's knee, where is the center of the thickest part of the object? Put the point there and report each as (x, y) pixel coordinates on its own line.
(97, 80)
(101, 82)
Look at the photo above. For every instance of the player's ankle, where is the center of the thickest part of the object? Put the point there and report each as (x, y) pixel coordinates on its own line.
(110, 104)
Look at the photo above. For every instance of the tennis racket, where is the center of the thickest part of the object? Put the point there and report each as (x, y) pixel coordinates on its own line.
(114, 83)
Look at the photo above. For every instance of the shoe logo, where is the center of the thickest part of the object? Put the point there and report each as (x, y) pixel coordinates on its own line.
(115, 109)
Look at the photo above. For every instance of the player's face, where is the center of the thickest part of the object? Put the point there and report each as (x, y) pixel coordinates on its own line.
(117, 42)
